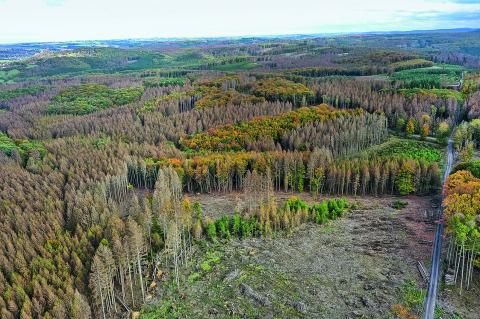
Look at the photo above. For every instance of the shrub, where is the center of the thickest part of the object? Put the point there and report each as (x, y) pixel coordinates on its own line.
(293, 212)
(248, 227)
(222, 227)
(398, 204)
(320, 212)
(236, 224)
(205, 266)
(212, 231)
(194, 276)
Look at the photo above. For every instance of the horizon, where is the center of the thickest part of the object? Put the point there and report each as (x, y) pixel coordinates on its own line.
(185, 19)
(253, 36)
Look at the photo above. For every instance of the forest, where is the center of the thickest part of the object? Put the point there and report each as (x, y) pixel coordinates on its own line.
(102, 150)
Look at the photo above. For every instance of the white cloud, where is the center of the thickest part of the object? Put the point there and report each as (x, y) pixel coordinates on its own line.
(54, 20)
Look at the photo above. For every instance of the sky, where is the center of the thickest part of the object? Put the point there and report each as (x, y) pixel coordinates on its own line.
(66, 20)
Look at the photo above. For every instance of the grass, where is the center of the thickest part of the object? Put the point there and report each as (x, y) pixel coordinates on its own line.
(398, 204)
(412, 299)
(413, 150)
(214, 293)
(412, 295)
(431, 77)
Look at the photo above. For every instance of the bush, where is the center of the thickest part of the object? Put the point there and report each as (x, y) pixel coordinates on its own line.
(205, 266)
(212, 232)
(236, 224)
(320, 212)
(443, 132)
(398, 204)
(248, 228)
(193, 277)
(222, 227)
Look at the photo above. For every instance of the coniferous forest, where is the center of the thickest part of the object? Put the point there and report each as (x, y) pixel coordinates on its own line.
(105, 152)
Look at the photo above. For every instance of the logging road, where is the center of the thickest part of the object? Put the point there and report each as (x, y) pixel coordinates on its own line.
(431, 297)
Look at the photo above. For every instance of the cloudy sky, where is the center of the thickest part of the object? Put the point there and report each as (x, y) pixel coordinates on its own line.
(59, 20)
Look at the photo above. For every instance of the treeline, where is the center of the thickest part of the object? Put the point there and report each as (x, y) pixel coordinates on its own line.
(315, 172)
(210, 96)
(462, 213)
(473, 104)
(466, 138)
(157, 127)
(381, 96)
(20, 91)
(162, 82)
(237, 90)
(270, 218)
(340, 131)
(410, 64)
(340, 71)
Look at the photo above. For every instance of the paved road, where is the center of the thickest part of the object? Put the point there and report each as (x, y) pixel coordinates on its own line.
(431, 297)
